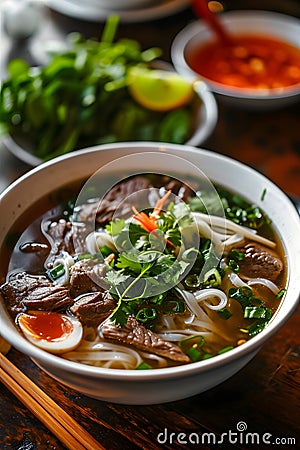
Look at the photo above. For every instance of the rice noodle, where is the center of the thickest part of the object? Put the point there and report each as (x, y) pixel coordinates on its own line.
(238, 282)
(209, 293)
(220, 223)
(104, 354)
(268, 283)
(159, 360)
(201, 322)
(67, 261)
(178, 335)
(97, 239)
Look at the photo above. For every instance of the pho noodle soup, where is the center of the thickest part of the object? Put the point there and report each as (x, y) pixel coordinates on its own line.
(152, 273)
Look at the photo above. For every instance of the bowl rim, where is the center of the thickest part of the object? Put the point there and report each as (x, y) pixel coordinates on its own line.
(251, 346)
(195, 28)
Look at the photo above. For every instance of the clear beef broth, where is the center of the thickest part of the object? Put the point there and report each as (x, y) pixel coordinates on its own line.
(28, 248)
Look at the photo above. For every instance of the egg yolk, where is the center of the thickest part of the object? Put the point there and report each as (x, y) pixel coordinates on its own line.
(48, 326)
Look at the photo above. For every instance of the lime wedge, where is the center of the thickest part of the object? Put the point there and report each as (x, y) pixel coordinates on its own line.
(159, 90)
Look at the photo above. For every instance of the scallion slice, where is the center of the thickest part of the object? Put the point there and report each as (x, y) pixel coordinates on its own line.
(57, 272)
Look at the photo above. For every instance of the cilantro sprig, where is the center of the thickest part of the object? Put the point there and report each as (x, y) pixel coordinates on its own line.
(139, 277)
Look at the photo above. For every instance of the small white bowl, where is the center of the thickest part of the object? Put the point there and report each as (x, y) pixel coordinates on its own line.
(264, 23)
(204, 122)
(173, 383)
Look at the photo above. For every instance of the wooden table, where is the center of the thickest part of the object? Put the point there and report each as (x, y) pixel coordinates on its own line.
(263, 398)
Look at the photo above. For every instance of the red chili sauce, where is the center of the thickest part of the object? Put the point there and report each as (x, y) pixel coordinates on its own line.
(257, 62)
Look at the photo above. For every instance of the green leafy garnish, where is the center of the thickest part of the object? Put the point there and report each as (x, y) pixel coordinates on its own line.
(81, 98)
(253, 308)
(143, 366)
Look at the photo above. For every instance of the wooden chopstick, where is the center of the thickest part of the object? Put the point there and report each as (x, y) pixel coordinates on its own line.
(63, 426)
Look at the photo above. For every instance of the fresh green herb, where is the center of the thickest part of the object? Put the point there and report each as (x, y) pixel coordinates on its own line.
(173, 307)
(194, 354)
(115, 227)
(263, 194)
(81, 98)
(195, 348)
(138, 276)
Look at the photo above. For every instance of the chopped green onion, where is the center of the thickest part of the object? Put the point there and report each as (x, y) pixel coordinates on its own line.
(236, 255)
(106, 251)
(263, 194)
(146, 314)
(194, 354)
(57, 272)
(243, 295)
(255, 312)
(212, 278)
(234, 266)
(281, 293)
(192, 280)
(143, 366)
(82, 256)
(225, 349)
(224, 313)
(195, 341)
(257, 327)
(173, 307)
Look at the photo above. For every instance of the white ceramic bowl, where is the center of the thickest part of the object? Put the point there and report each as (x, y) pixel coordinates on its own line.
(265, 23)
(168, 384)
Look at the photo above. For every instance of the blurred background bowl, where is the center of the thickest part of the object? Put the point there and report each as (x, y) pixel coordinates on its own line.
(205, 116)
(264, 23)
(122, 4)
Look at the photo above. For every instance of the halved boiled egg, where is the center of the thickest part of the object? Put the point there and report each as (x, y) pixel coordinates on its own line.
(54, 332)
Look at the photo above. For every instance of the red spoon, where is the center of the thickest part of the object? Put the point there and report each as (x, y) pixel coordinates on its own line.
(203, 12)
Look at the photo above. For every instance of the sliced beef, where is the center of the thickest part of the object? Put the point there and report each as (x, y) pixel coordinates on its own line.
(86, 276)
(115, 201)
(143, 339)
(66, 236)
(260, 262)
(119, 199)
(24, 291)
(183, 191)
(87, 212)
(93, 308)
